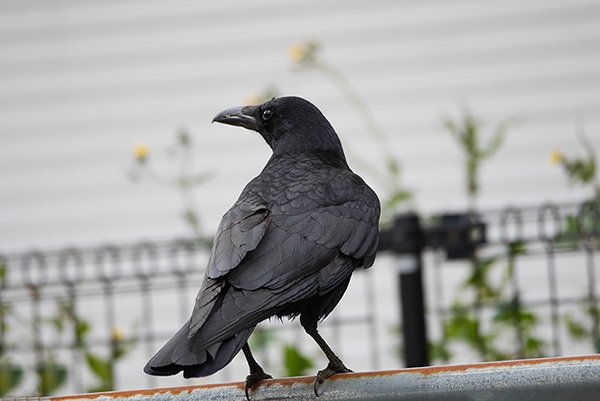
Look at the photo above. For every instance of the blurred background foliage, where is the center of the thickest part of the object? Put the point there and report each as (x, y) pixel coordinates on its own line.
(70, 328)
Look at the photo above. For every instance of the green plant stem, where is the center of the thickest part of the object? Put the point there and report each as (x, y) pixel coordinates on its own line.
(359, 104)
(588, 146)
(372, 126)
(481, 345)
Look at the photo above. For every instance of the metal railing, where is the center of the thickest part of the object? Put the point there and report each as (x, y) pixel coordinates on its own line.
(553, 379)
(87, 319)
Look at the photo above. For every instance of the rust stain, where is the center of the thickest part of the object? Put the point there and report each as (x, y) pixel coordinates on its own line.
(148, 392)
(308, 380)
(289, 381)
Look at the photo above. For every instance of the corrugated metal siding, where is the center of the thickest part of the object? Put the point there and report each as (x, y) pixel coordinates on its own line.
(81, 81)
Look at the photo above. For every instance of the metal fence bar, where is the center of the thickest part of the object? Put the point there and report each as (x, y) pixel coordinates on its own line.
(552, 379)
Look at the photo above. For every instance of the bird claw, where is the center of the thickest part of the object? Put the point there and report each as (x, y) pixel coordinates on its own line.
(253, 379)
(329, 371)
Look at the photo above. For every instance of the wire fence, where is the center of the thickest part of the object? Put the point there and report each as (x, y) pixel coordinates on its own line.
(528, 289)
(512, 283)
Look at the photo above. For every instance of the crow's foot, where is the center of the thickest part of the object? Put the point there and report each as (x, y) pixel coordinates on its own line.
(329, 371)
(253, 379)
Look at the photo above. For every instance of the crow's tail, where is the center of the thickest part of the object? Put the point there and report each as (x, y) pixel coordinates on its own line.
(183, 354)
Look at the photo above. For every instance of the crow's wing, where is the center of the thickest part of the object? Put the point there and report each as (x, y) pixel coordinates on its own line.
(315, 238)
(240, 231)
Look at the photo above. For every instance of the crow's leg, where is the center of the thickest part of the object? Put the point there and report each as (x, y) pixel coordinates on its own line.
(335, 363)
(256, 371)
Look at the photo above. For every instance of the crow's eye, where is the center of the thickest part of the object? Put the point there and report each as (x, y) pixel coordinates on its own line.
(267, 114)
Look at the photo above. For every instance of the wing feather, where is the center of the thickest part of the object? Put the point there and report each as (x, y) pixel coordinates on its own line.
(240, 231)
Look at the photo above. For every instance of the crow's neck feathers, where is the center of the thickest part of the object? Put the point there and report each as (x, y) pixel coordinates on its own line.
(307, 133)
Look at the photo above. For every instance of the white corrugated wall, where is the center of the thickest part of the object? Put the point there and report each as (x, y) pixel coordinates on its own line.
(80, 82)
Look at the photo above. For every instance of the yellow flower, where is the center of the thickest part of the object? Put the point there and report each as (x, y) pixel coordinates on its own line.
(251, 100)
(140, 151)
(555, 157)
(297, 53)
(117, 335)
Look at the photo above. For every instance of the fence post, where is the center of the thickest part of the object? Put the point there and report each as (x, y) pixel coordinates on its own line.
(405, 238)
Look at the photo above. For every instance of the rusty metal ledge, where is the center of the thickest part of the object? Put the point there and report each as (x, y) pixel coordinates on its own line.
(569, 378)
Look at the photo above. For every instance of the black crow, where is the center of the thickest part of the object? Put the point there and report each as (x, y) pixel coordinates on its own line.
(287, 247)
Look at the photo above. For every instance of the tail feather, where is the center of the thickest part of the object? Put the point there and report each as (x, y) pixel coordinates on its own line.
(181, 354)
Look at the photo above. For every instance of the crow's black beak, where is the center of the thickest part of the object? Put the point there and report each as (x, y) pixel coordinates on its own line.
(239, 116)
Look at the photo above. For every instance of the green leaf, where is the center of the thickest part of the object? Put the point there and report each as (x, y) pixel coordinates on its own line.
(512, 312)
(462, 326)
(580, 170)
(5, 309)
(183, 138)
(467, 130)
(82, 329)
(479, 280)
(2, 272)
(122, 348)
(597, 346)
(261, 337)
(492, 353)
(10, 376)
(497, 140)
(101, 368)
(534, 347)
(517, 248)
(51, 375)
(100, 388)
(587, 217)
(58, 323)
(575, 329)
(439, 351)
(479, 272)
(294, 362)
(569, 236)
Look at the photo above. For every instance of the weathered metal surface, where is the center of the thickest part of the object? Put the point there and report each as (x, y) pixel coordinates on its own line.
(568, 378)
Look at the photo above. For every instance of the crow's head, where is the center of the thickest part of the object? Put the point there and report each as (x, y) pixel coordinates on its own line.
(287, 124)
